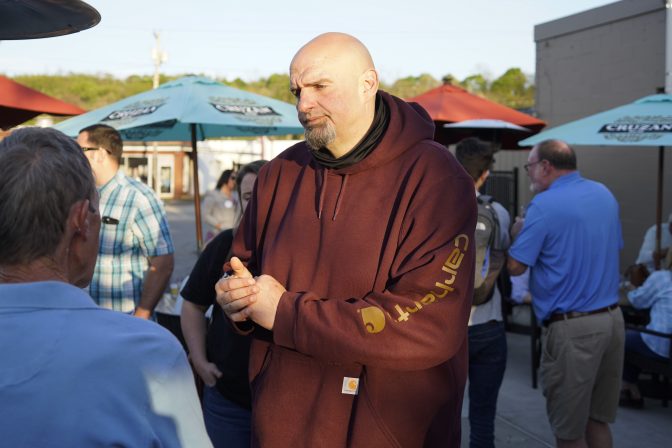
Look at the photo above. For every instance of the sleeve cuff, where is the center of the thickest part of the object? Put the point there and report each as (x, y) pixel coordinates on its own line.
(285, 320)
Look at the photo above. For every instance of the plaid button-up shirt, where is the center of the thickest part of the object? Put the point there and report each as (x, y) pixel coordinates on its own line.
(656, 293)
(134, 227)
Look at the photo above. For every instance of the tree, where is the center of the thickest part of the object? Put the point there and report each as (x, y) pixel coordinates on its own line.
(513, 89)
(476, 84)
(412, 85)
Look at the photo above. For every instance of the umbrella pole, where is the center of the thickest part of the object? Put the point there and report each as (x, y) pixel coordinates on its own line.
(659, 205)
(197, 193)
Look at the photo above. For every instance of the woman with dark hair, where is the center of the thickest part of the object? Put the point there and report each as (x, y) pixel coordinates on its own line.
(219, 355)
(219, 205)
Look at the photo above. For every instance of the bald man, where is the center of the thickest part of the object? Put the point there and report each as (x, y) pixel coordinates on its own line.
(359, 271)
(571, 239)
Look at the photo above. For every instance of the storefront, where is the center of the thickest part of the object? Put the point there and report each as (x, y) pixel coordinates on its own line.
(166, 166)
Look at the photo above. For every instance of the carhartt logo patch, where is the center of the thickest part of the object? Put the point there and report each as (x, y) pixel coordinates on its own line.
(373, 318)
(350, 385)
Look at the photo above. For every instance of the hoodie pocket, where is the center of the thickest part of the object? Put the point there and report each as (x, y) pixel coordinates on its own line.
(370, 427)
(299, 401)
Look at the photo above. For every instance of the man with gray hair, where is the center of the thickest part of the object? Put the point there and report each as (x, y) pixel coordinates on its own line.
(75, 374)
(570, 239)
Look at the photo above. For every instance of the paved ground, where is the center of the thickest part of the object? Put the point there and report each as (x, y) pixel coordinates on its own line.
(521, 415)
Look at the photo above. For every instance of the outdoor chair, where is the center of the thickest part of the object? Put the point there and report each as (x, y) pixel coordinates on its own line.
(520, 319)
(660, 370)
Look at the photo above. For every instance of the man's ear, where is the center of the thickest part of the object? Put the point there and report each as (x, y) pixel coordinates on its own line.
(98, 157)
(482, 178)
(79, 217)
(369, 82)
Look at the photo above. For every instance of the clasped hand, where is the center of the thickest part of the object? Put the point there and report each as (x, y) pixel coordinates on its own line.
(243, 296)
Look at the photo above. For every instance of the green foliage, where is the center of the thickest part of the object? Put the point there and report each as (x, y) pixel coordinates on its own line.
(476, 84)
(412, 85)
(513, 88)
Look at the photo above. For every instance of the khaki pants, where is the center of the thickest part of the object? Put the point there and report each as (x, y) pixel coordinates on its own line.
(581, 371)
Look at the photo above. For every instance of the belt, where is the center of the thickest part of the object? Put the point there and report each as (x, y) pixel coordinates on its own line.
(573, 314)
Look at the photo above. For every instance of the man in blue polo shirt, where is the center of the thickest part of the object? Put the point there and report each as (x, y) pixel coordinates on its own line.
(571, 238)
(72, 373)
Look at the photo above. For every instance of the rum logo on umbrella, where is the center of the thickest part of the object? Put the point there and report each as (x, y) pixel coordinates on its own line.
(135, 110)
(254, 111)
(637, 128)
(246, 110)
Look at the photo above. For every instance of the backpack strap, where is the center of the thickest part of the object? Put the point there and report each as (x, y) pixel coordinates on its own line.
(495, 239)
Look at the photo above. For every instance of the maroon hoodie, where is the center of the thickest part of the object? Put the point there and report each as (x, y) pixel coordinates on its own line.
(369, 346)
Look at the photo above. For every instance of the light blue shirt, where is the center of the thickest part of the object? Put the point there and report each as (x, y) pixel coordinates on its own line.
(76, 375)
(571, 239)
(656, 293)
(520, 286)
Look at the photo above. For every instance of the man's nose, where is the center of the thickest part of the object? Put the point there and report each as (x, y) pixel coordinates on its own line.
(304, 102)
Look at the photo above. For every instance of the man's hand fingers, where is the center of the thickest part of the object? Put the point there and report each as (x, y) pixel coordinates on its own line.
(239, 269)
(235, 301)
(240, 316)
(239, 310)
(231, 283)
(226, 296)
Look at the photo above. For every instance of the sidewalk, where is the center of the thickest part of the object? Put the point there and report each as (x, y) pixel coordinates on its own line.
(521, 413)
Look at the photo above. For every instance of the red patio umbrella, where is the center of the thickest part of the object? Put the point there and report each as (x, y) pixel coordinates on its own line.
(19, 104)
(452, 104)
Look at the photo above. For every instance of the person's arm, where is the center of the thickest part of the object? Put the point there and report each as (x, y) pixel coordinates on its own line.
(199, 294)
(528, 237)
(514, 266)
(156, 280)
(645, 296)
(194, 327)
(520, 288)
(152, 233)
(418, 321)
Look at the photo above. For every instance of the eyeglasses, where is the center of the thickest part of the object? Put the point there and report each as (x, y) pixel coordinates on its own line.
(528, 165)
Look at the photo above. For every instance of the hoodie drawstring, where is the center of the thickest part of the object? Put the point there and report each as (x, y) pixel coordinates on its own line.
(323, 190)
(341, 193)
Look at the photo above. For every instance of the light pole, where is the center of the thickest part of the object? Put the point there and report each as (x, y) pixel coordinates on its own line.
(159, 57)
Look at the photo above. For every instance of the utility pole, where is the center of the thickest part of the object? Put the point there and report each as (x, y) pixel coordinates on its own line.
(159, 57)
(668, 46)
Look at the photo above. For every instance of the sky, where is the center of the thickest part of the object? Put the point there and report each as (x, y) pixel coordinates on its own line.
(251, 39)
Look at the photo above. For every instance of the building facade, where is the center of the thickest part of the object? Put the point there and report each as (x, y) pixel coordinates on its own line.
(597, 60)
(167, 166)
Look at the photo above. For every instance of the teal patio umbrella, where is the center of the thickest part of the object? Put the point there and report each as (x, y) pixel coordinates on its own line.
(646, 122)
(191, 109)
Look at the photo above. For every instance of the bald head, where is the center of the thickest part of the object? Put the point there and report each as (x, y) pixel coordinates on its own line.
(558, 153)
(336, 47)
(335, 83)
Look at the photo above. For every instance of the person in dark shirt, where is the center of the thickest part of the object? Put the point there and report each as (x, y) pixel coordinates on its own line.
(219, 354)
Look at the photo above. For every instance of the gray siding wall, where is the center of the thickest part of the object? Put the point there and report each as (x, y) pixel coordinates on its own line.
(595, 61)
